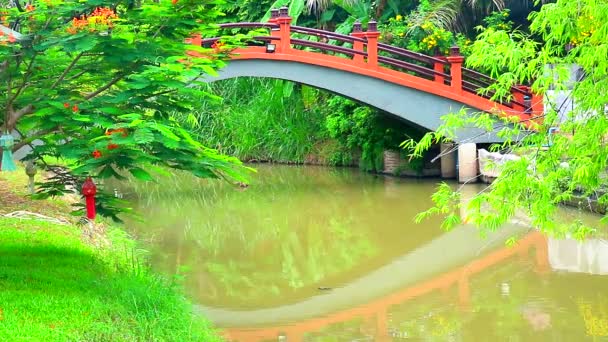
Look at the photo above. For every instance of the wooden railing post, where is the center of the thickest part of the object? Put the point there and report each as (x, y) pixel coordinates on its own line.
(195, 40)
(372, 35)
(537, 104)
(456, 59)
(520, 97)
(274, 15)
(358, 45)
(284, 21)
(439, 67)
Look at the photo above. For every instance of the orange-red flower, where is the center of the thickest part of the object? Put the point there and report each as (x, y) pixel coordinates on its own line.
(96, 154)
(66, 105)
(217, 46)
(99, 20)
(112, 146)
(75, 108)
(29, 8)
(174, 2)
(118, 130)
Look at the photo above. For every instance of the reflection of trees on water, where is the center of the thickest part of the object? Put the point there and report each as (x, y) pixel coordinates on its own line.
(292, 228)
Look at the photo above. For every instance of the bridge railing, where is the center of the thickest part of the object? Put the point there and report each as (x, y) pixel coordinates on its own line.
(362, 49)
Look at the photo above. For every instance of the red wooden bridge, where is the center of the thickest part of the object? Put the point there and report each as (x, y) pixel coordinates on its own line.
(338, 58)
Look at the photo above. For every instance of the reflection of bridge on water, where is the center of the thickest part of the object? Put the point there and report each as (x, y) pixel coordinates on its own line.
(413, 275)
(590, 256)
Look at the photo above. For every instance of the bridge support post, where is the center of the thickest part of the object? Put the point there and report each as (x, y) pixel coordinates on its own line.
(448, 161)
(467, 163)
(358, 45)
(372, 35)
(284, 21)
(521, 98)
(438, 67)
(464, 292)
(537, 104)
(274, 15)
(456, 60)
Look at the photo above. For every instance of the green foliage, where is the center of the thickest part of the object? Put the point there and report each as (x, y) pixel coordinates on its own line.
(62, 289)
(262, 119)
(499, 20)
(100, 83)
(417, 32)
(420, 31)
(361, 127)
(575, 163)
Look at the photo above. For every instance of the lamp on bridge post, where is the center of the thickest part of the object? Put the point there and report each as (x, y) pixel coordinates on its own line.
(372, 26)
(454, 51)
(270, 48)
(283, 12)
(357, 27)
(274, 14)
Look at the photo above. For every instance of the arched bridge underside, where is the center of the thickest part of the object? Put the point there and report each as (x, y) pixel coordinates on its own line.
(410, 85)
(421, 108)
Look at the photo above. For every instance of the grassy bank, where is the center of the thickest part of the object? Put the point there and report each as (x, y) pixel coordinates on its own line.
(56, 285)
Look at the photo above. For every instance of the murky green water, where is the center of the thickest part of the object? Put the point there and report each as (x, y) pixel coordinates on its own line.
(320, 254)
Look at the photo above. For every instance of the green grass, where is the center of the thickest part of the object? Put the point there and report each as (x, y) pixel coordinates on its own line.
(56, 287)
(53, 287)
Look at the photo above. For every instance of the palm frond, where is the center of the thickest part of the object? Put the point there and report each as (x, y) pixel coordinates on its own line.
(486, 6)
(444, 14)
(319, 6)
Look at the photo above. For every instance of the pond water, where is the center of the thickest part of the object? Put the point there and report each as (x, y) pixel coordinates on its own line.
(322, 254)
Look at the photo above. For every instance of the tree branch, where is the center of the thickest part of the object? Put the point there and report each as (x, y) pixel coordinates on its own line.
(26, 76)
(76, 76)
(105, 87)
(66, 71)
(15, 116)
(30, 139)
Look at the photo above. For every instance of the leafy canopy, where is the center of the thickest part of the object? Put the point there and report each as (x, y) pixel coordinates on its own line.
(563, 36)
(102, 82)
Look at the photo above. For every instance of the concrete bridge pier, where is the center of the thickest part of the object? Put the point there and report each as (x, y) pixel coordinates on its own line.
(448, 160)
(467, 163)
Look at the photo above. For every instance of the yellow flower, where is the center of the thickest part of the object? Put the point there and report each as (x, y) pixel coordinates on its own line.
(399, 17)
(401, 34)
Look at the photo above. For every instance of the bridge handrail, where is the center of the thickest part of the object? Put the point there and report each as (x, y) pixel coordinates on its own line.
(487, 80)
(411, 54)
(248, 25)
(336, 36)
(413, 67)
(364, 50)
(328, 47)
(207, 41)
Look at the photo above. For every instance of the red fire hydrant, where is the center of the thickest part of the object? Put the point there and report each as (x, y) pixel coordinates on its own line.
(88, 191)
